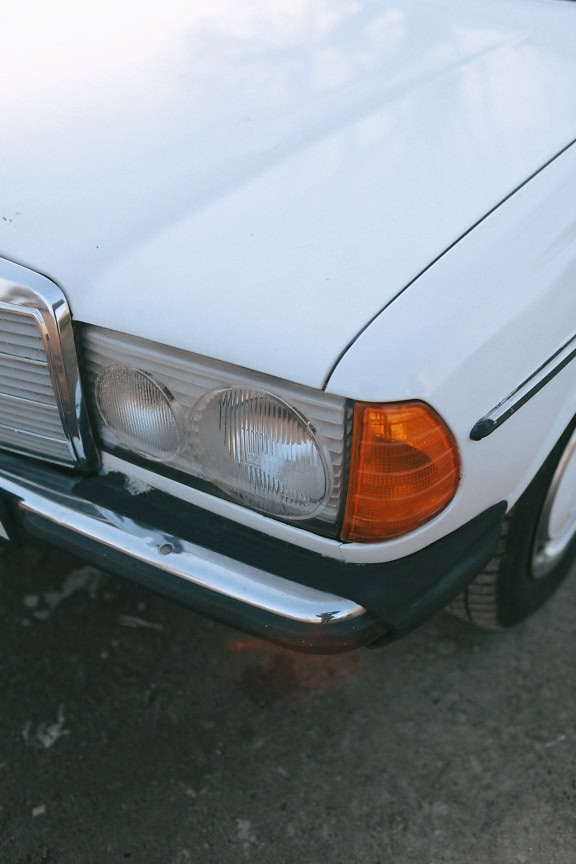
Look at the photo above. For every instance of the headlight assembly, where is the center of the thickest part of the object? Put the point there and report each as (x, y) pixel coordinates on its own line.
(270, 445)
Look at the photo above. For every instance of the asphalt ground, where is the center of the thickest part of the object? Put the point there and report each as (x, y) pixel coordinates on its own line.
(134, 731)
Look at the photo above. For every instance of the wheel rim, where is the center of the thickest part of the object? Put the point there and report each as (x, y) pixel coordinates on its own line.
(557, 525)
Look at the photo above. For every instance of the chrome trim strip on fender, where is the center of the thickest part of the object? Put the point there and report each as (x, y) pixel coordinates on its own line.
(22, 291)
(202, 567)
(525, 391)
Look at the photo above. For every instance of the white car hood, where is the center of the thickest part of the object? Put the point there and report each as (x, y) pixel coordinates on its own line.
(255, 181)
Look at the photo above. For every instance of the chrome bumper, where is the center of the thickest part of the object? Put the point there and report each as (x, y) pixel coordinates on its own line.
(44, 498)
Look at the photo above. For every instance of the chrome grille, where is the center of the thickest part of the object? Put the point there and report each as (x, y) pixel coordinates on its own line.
(29, 414)
(41, 409)
(189, 377)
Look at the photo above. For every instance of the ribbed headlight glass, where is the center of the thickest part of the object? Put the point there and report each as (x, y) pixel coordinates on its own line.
(140, 411)
(271, 445)
(261, 451)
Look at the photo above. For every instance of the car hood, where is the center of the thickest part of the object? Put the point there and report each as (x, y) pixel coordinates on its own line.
(256, 181)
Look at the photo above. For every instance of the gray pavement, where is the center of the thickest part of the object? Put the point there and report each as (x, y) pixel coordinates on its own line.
(133, 731)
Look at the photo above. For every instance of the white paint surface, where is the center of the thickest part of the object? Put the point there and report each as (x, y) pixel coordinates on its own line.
(255, 181)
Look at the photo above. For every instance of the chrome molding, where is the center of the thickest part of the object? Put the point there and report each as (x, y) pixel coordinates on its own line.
(25, 292)
(203, 567)
(525, 391)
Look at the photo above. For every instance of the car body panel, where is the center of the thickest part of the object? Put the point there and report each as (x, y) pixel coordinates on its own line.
(229, 178)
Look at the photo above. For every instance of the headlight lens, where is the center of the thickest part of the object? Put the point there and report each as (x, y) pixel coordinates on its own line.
(142, 413)
(260, 451)
(153, 400)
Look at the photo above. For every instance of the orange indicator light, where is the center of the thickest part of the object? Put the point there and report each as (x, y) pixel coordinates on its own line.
(404, 469)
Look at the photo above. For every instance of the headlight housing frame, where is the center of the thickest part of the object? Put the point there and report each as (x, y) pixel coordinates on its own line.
(188, 381)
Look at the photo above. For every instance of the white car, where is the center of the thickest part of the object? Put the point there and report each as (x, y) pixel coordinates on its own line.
(288, 304)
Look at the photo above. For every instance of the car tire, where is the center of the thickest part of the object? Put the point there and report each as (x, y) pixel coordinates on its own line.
(536, 550)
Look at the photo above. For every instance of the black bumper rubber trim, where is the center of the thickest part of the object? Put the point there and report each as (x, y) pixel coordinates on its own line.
(335, 638)
(399, 595)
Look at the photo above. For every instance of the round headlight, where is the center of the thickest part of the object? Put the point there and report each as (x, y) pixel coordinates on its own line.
(260, 451)
(140, 411)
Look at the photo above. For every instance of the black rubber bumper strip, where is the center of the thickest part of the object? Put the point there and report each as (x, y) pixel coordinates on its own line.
(400, 594)
(397, 595)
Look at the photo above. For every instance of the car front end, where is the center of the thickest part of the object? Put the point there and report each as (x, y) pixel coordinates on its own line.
(284, 304)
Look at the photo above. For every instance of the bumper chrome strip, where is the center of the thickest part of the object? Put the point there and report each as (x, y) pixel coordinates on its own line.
(202, 567)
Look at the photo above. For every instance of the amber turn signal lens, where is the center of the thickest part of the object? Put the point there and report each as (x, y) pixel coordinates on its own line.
(404, 469)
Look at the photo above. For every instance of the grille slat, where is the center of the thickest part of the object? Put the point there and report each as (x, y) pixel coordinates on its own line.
(29, 416)
(28, 443)
(20, 337)
(22, 378)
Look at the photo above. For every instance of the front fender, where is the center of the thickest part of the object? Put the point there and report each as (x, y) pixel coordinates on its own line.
(480, 321)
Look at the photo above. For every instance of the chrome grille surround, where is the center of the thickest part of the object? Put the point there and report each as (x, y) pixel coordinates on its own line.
(42, 410)
(189, 377)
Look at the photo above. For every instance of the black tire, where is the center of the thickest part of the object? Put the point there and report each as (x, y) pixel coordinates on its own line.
(523, 575)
